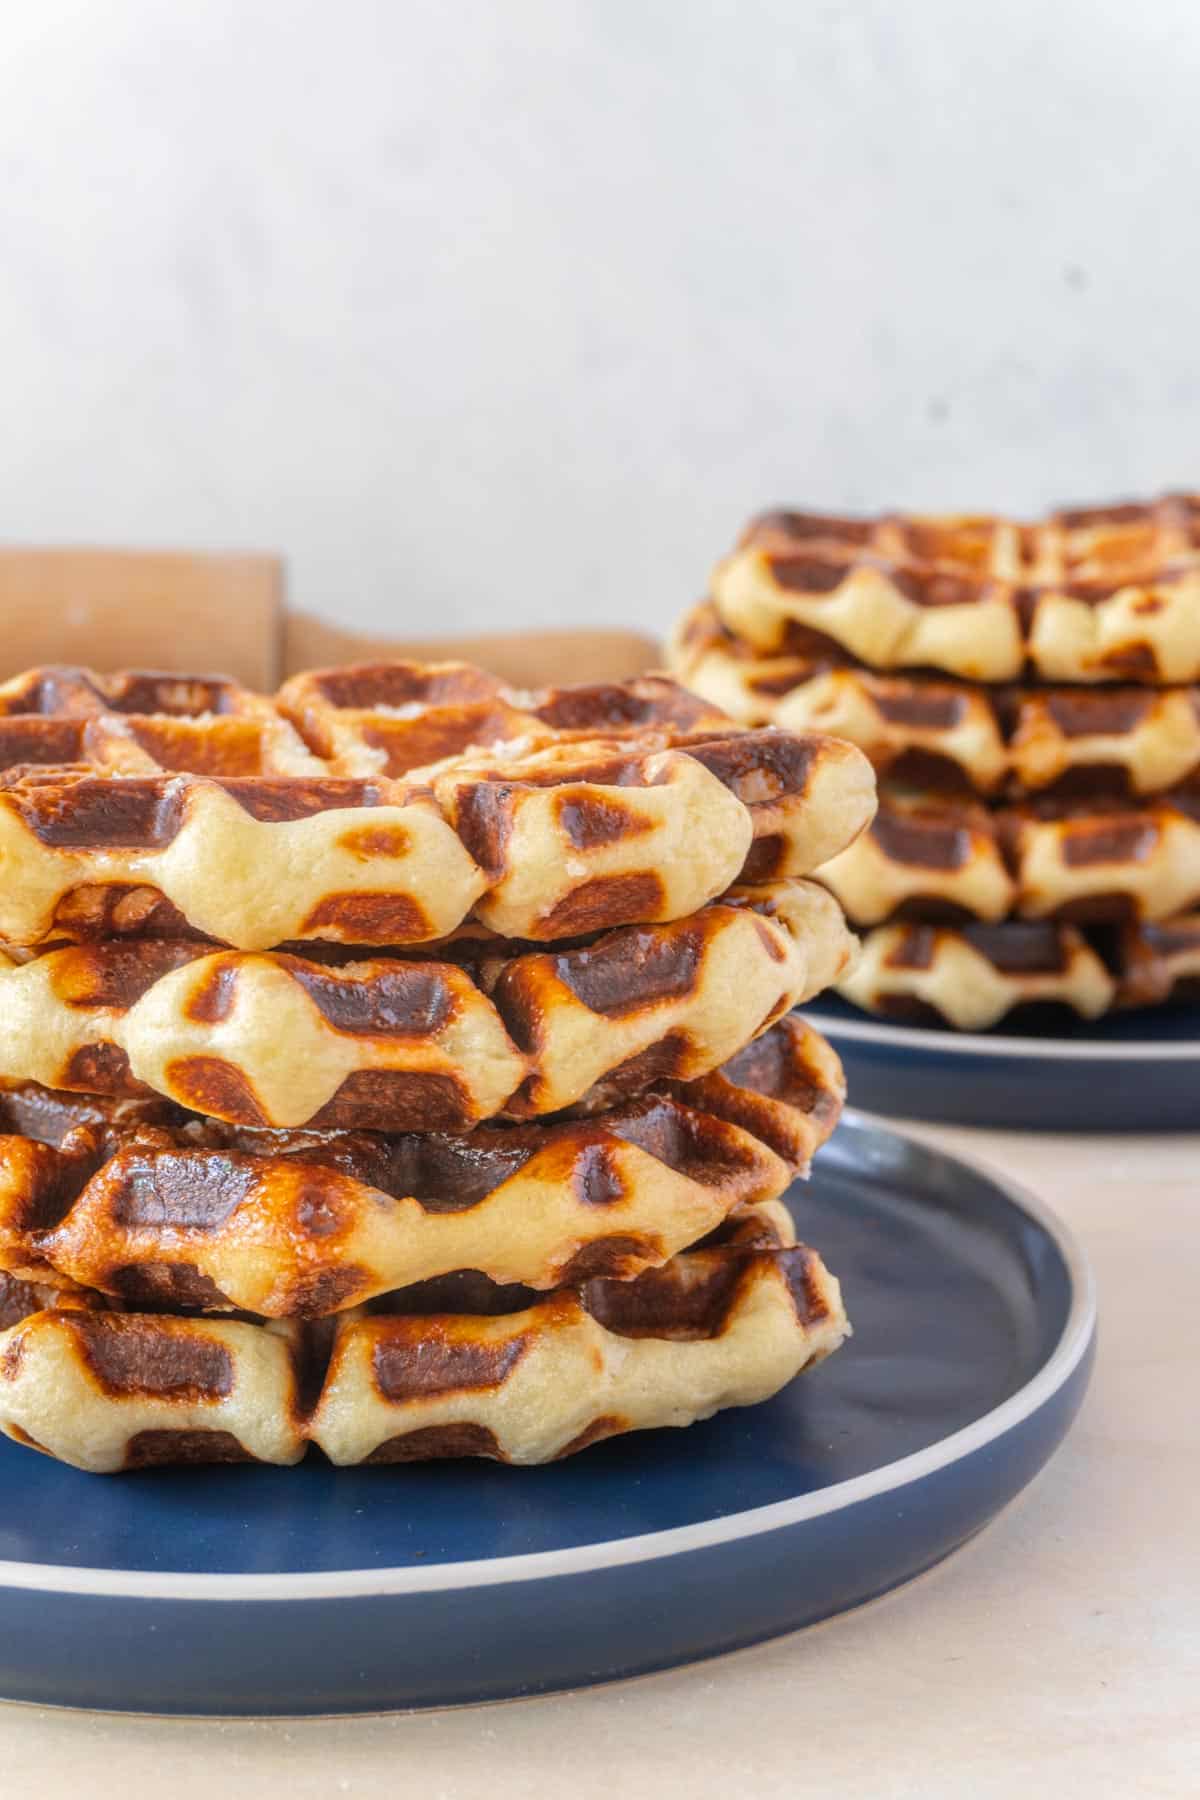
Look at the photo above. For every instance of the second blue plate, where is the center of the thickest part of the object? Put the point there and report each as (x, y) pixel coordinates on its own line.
(1134, 1072)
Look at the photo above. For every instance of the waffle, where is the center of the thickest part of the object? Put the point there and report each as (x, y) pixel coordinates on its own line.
(942, 861)
(1095, 594)
(455, 1368)
(1110, 742)
(277, 1041)
(141, 722)
(390, 718)
(974, 976)
(302, 1224)
(365, 719)
(565, 841)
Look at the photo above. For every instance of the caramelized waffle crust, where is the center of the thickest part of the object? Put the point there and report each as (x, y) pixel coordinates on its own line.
(952, 736)
(1095, 594)
(366, 719)
(460, 1367)
(940, 861)
(974, 976)
(137, 1201)
(553, 835)
(399, 1044)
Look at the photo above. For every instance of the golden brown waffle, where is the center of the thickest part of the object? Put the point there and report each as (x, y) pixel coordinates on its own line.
(389, 1044)
(142, 721)
(109, 1391)
(390, 718)
(454, 1368)
(575, 839)
(366, 719)
(1095, 594)
(1111, 742)
(308, 1223)
(942, 861)
(973, 976)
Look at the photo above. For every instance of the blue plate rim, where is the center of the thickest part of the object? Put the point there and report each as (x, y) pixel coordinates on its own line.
(1073, 1343)
(977, 1043)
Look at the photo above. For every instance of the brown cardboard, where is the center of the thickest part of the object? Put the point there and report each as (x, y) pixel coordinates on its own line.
(525, 658)
(206, 613)
(115, 609)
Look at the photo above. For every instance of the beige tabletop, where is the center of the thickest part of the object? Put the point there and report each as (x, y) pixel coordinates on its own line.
(1057, 1654)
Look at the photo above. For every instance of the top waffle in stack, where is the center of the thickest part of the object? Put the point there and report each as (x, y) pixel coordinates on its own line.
(1026, 695)
(309, 1003)
(156, 805)
(402, 897)
(1093, 594)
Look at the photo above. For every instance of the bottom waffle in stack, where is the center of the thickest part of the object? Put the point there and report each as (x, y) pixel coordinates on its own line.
(178, 1290)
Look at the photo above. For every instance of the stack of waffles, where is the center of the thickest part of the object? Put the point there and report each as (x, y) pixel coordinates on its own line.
(1028, 696)
(404, 1065)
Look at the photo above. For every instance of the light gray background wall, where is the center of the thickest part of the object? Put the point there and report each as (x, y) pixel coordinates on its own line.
(493, 311)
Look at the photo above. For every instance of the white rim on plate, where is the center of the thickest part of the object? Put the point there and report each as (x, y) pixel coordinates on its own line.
(675, 1541)
(975, 1043)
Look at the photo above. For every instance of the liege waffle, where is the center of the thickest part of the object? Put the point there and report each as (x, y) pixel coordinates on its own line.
(548, 838)
(141, 721)
(365, 719)
(1100, 742)
(972, 976)
(943, 861)
(455, 1368)
(390, 1044)
(1094, 594)
(302, 1224)
(390, 718)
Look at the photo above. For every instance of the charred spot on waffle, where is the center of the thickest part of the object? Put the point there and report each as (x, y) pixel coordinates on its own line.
(374, 1099)
(161, 1448)
(605, 900)
(370, 918)
(759, 766)
(128, 1353)
(440, 1355)
(633, 969)
(782, 522)
(1109, 839)
(799, 1267)
(806, 574)
(401, 1000)
(925, 839)
(166, 1286)
(196, 1190)
(483, 820)
(691, 1300)
(91, 812)
(100, 1069)
(606, 1426)
(364, 686)
(325, 1291)
(432, 1443)
(590, 821)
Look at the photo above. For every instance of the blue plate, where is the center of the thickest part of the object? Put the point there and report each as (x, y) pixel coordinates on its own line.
(1136, 1072)
(314, 1590)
